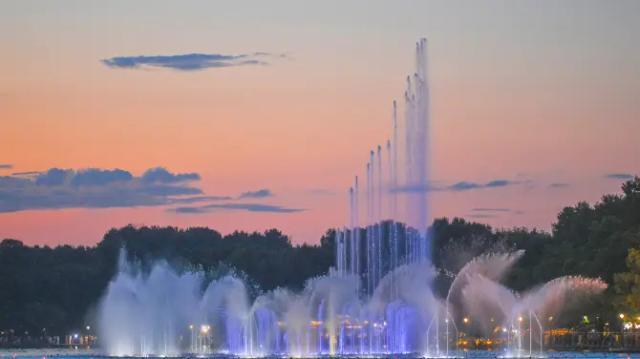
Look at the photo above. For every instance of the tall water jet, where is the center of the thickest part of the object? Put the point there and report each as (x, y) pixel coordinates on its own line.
(379, 184)
(388, 243)
(417, 120)
(355, 230)
(388, 185)
(394, 163)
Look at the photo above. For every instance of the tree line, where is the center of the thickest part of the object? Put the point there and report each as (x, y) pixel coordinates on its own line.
(52, 291)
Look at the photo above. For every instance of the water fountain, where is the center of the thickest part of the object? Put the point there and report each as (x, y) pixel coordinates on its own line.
(376, 301)
(519, 313)
(166, 312)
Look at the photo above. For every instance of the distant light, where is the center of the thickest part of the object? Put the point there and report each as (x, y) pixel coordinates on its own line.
(75, 336)
(88, 327)
(520, 318)
(621, 315)
(551, 318)
(465, 320)
(205, 328)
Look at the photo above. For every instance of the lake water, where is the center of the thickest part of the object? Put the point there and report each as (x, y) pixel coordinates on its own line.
(96, 354)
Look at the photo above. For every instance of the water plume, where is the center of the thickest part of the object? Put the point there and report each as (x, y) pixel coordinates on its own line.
(490, 265)
(164, 312)
(493, 306)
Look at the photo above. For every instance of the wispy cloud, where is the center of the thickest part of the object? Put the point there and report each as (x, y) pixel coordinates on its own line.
(456, 187)
(261, 193)
(199, 199)
(559, 185)
(482, 215)
(498, 183)
(189, 62)
(465, 186)
(484, 209)
(619, 176)
(95, 188)
(5, 166)
(249, 207)
(188, 210)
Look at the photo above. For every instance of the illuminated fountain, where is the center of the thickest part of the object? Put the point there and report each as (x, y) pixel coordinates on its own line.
(519, 313)
(164, 312)
(376, 301)
(477, 292)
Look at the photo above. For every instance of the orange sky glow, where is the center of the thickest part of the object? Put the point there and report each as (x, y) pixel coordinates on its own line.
(546, 98)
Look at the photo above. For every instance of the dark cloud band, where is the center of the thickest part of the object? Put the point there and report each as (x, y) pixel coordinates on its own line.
(249, 207)
(189, 62)
(619, 176)
(261, 193)
(96, 188)
(456, 187)
(465, 186)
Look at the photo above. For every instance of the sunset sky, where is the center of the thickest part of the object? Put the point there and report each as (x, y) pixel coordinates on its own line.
(268, 128)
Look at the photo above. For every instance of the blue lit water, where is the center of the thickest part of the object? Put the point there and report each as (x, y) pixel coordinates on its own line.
(95, 354)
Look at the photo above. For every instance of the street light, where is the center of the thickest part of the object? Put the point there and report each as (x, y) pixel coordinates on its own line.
(621, 315)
